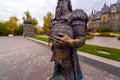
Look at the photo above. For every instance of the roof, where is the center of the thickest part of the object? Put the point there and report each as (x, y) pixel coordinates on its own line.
(113, 5)
(106, 9)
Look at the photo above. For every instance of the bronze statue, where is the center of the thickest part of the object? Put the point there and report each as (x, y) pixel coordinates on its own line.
(67, 33)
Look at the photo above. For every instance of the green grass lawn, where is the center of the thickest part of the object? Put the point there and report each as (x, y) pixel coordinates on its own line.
(40, 38)
(92, 49)
(88, 37)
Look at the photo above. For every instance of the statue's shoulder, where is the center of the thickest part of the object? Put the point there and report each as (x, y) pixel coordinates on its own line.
(78, 22)
(78, 14)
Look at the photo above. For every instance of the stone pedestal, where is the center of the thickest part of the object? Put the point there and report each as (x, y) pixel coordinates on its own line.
(28, 29)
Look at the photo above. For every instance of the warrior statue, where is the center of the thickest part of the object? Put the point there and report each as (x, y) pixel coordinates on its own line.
(67, 33)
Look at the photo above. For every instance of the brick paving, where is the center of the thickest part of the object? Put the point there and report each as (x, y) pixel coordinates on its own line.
(22, 59)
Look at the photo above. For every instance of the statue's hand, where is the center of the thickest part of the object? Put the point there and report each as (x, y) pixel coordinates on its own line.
(64, 39)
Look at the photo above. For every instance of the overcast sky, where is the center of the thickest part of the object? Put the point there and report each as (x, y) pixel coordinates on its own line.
(39, 8)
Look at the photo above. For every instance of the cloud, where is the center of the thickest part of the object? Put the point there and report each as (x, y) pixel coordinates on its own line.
(39, 8)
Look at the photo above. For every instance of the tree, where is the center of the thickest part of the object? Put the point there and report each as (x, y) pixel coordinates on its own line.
(20, 30)
(46, 23)
(29, 18)
(34, 21)
(37, 30)
(12, 25)
(3, 30)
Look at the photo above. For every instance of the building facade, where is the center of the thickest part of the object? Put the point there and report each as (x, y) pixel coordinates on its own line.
(109, 16)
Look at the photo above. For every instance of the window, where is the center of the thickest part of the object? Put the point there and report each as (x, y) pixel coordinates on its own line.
(109, 18)
(104, 19)
(119, 18)
(113, 9)
(113, 17)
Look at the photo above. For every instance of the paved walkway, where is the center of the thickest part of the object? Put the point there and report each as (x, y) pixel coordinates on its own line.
(102, 41)
(105, 41)
(22, 59)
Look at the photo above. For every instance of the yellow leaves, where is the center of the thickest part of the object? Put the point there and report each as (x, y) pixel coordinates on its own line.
(12, 24)
(28, 17)
(46, 23)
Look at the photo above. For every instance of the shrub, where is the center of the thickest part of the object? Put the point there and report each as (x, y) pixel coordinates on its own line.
(104, 34)
(118, 37)
(3, 30)
(88, 37)
(20, 30)
(104, 29)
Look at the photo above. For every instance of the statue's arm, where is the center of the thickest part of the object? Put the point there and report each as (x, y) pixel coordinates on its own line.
(79, 41)
(79, 36)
